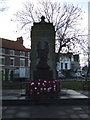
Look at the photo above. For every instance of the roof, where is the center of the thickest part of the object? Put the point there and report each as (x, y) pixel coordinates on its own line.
(65, 54)
(85, 68)
(28, 49)
(12, 45)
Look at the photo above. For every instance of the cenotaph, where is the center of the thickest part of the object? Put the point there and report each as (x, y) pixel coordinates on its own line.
(43, 64)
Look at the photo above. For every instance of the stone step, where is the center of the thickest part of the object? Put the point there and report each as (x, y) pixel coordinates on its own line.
(46, 102)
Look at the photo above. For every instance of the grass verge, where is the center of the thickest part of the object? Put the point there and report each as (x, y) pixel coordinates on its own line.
(74, 85)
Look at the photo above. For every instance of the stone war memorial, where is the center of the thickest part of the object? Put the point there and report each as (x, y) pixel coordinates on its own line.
(43, 61)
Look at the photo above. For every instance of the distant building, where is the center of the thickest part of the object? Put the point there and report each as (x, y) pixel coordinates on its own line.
(15, 59)
(86, 71)
(75, 66)
(68, 65)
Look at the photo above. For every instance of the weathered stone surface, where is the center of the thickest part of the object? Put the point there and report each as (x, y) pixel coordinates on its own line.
(43, 65)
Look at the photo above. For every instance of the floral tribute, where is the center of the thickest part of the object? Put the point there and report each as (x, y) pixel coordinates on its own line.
(43, 86)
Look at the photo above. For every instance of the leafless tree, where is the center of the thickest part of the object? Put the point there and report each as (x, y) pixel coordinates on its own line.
(66, 18)
(3, 6)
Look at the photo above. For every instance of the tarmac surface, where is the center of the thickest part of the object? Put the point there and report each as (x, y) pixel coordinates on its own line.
(69, 104)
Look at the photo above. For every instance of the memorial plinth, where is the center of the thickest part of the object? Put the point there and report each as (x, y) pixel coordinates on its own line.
(43, 65)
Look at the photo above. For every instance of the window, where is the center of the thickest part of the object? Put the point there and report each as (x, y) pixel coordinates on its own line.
(28, 54)
(3, 51)
(3, 74)
(22, 62)
(28, 62)
(61, 65)
(66, 65)
(22, 53)
(11, 52)
(72, 58)
(0, 50)
(3, 60)
(76, 58)
(12, 61)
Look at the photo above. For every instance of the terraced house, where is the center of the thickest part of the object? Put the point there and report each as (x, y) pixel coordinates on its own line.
(15, 59)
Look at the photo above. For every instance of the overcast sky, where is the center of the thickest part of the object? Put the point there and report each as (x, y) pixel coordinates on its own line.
(8, 29)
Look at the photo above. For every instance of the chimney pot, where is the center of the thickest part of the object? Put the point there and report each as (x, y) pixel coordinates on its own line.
(20, 40)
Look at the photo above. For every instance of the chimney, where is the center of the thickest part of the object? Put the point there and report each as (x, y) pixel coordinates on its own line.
(20, 40)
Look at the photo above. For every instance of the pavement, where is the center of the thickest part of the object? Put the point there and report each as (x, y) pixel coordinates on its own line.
(69, 104)
(45, 111)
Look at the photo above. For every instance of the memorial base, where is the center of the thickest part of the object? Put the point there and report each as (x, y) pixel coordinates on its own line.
(42, 87)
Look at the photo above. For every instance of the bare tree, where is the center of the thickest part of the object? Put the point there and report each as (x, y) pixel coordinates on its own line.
(66, 19)
(3, 6)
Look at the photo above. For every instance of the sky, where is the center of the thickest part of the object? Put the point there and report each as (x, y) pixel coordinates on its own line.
(8, 29)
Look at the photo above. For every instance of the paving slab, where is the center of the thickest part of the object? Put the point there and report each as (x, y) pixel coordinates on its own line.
(67, 97)
(64, 93)
(49, 111)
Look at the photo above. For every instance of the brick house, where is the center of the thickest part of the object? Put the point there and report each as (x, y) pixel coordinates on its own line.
(15, 59)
